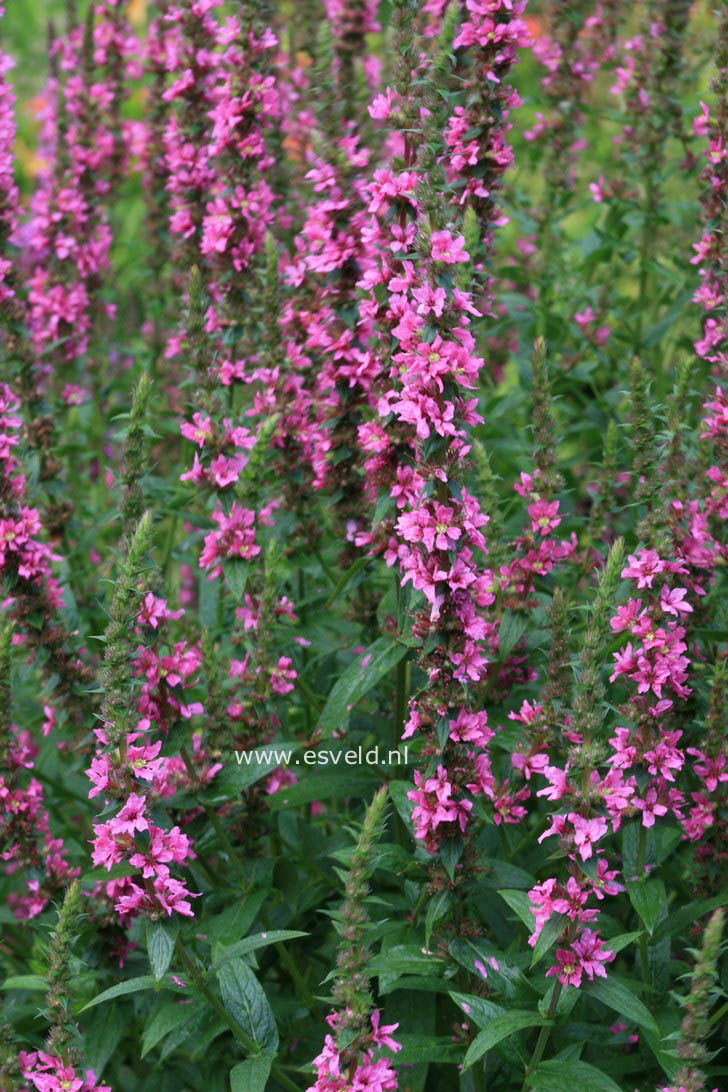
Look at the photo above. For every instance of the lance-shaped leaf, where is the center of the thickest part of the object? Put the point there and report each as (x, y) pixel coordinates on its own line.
(245, 1000)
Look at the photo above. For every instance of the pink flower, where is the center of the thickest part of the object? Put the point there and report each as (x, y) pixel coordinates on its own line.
(586, 832)
(643, 567)
(544, 516)
(598, 189)
(469, 663)
(672, 601)
(449, 249)
(131, 817)
(282, 676)
(381, 105)
(649, 807)
(382, 1036)
(529, 764)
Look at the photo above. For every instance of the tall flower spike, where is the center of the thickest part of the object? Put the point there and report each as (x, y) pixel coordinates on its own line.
(589, 687)
(322, 81)
(711, 255)
(351, 987)
(117, 712)
(544, 428)
(349, 1062)
(490, 504)
(156, 175)
(711, 856)
(559, 666)
(605, 504)
(678, 469)
(6, 633)
(135, 454)
(58, 999)
(11, 1079)
(351, 21)
(199, 342)
(695, 1027)
(642, 433)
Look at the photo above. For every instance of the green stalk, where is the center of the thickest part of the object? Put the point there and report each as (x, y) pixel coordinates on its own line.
(543, 1035)
(401, 701)
(643, 941)
(169, 544)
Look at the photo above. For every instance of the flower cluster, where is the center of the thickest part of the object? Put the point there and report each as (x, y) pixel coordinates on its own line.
(369, 1073)
(390, 476)
(29, 849)
(48, 1073)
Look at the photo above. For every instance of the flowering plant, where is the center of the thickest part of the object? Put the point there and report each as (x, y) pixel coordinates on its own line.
(364, 392)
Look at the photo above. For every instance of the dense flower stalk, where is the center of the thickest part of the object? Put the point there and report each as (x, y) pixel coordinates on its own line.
(695, 1027)
(348, 1060)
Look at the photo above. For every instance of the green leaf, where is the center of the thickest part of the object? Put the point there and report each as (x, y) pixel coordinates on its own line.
(351, 572)
(202, 1026)
(647, 898)
(383, 506)
(405, 959)
(510, 631)
(237, 919)
(245, 1000)
(132, 985)
(451, 851)
(356, 681)
(679, 919)
(209, 592)
(161, 937)
(428, 1048)
(557, 1075)
(619, 995)
(398, 795)
(665, 1055)
(500, 1027)
(251, 944)
(551, 931)
(437, 907)
(506, 875)
(521, 904)
(25, 982)
(478, 1009)
(251, 1076)
(347, 781)
(162, 1021)
(236, 576)
(256, 764)
(103, 1030)
(623, 940)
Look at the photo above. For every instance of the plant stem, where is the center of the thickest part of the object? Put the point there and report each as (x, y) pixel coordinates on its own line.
(643, 941)
(543, 1035)
(401, 700)
(645, 256)
(169, 544)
